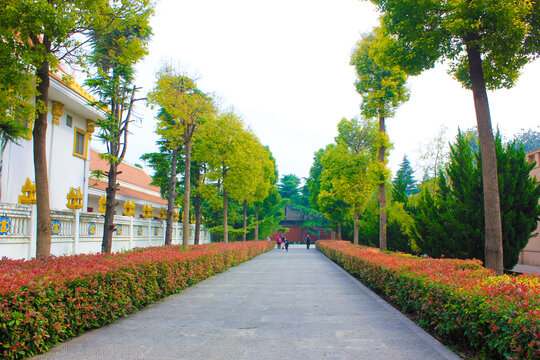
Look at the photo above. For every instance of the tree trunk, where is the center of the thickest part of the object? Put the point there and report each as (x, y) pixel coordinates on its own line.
(197, 206)
(492, 210)
(339, 230)
(244, 235)
(355, 235)
(170, 200)
(108, 226)
(256, 222)
(43, 245)
(187, 186)
(225, 230)
(382, 192)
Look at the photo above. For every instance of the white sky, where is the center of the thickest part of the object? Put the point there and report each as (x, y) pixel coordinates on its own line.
(284, 66)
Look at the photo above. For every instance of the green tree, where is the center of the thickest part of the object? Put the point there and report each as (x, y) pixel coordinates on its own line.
(187, 107)
(35, 36)
(322, 196)
(349, 165)
(519, 195)
(486, 43)
(382, 87)
(289, 186)
(404, 184)
(16, 90)
(250, 175)
(270, 213)
(450, 218)
(266, 182)
(220, 149)
(447, 216)
(119, 40)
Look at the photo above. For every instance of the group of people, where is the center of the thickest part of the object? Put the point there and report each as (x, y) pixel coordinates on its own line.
(283, 243)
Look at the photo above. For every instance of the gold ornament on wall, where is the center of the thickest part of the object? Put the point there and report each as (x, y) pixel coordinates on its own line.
(74, 199)
(148, 211)
(162, 214)
(57, 112)
(28, 193)
(129, 208)
(102, 203)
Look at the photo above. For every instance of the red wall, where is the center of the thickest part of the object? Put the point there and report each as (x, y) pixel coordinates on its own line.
(294, 234)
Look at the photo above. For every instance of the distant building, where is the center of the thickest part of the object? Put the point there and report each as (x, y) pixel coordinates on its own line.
(530, 255)
(294, 221)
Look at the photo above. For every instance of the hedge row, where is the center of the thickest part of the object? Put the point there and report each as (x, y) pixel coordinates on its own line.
(499, 316)
(44, 301)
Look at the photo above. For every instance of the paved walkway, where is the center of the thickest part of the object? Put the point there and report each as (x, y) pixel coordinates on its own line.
(527, 269)
(295, 305)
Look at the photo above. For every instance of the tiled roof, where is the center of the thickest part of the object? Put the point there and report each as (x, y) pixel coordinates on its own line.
(129, 174)
(101, 185)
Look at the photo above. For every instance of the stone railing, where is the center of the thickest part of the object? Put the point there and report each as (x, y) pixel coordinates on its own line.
(76, 232)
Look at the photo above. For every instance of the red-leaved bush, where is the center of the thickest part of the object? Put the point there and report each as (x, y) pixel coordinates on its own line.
(44, 301)
(459, 299)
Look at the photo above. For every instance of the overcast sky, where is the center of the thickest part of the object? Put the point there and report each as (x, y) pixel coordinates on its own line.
(284, 67)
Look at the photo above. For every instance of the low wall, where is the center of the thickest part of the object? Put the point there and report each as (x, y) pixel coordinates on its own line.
(76, 232)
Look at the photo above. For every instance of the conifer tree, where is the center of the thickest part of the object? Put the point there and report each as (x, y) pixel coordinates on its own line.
(404, 184)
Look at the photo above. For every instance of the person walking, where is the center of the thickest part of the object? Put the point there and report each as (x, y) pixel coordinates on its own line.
(308, 241)
(278, 242)
(286, 242)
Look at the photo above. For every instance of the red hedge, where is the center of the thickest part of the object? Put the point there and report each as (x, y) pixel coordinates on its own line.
(44, 301)
(459, 299)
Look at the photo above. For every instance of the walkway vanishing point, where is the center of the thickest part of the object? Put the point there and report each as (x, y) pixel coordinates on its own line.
(295, 305)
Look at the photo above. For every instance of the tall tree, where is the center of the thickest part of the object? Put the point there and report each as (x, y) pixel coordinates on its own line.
(349, 166)
(382, 87)
(247, 173)
(187, 107)
(265, 185)
(166, 170)
(322, 196)
(486, 42)
(38, 35)
(220, 149)
(119, 39)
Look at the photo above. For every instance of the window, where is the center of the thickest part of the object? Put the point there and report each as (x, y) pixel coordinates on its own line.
(79, 143)
(69, 120)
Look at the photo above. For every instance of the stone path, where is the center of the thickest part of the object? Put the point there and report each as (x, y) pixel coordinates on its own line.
(280, 305)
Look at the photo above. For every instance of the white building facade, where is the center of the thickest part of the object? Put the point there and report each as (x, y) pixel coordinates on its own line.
(69, 131)
(70, 161)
